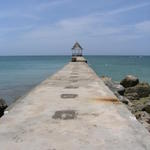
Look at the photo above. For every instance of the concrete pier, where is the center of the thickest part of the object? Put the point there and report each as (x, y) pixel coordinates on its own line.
(71, 110)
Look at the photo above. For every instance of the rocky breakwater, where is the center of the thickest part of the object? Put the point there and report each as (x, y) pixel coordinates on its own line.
(134, 94)
(3, 106)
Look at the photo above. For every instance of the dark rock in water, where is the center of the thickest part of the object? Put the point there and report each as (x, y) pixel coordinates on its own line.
(114, 86)
(129, 81)
(139, 91)
(3, 106)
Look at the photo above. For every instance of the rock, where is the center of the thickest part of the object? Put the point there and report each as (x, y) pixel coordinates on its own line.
(143, 89)
(144, 118)
(123, 99)
(117, 89)
(114, 86)
(139, 91)
(129, 81)
(138, 105)
(141, 115)
(147, 107)
(131, 96)
(3, 106)
(120, 89)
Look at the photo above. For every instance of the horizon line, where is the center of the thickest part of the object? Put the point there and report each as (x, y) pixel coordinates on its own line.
(68, 55)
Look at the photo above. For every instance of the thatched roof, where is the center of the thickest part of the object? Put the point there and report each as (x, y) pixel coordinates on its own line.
(77, 46)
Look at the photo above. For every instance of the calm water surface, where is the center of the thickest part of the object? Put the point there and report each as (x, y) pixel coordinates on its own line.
(18, 74)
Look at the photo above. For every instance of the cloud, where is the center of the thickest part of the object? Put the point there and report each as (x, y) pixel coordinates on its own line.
(17, 14)
(7, 32)
(11, 29)
(101, 30)
(143, 27)
(24, 13)
(88, 28)
(71, 28)
(49, 4)
(123, 9)
(130, 8)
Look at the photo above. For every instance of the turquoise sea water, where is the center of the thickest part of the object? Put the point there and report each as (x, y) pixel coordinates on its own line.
(18, 74)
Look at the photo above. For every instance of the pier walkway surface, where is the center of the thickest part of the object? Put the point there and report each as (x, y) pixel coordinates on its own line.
(71, 110)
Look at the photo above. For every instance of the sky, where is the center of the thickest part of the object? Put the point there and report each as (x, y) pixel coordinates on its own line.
(50, 27)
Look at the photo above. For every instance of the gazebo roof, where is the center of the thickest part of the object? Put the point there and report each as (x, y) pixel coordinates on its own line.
(77, 46)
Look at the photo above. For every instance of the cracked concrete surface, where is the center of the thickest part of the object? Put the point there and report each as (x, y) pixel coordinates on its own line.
(93, 120)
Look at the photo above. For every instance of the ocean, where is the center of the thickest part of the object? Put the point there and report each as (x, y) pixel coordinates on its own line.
(19, 74)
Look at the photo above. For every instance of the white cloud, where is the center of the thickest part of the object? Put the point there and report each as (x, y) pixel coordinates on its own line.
(17, 14)
(91, 26)
(122, 10)
(96, 28)
(49, 4)
(129, 8)
(10, 30)
(143, 27)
